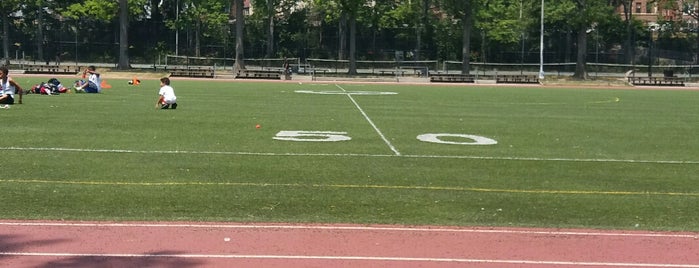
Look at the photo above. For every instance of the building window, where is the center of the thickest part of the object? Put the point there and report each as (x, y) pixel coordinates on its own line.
(638, 7)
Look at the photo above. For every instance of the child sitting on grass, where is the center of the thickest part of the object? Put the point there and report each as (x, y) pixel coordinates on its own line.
(8, 88)
(93, 83)
(167, 98)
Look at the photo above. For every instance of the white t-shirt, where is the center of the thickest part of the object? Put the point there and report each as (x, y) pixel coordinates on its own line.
(95, 78)
(7, 88)
(168, 94)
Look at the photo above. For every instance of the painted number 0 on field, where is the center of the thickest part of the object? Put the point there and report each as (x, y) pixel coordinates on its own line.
(473, 139)
(300, 135)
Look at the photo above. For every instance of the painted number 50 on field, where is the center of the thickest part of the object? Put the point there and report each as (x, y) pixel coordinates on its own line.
(332, 136)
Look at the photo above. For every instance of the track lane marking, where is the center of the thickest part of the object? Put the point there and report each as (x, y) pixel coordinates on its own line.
(347, 258)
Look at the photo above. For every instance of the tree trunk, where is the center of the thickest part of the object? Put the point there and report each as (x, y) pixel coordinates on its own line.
(353, 45)
(40, 33)
(197, 39)
(627, 21)
(342, 37)
(580, 71)
(270, 29)
(239, 27)
(466, 47)
(6, 39)
(123, 35)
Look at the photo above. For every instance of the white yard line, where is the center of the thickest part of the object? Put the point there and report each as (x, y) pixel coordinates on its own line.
(475, 157)
(393, 148)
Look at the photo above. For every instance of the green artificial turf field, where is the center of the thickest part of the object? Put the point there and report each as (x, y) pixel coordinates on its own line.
(356, 153)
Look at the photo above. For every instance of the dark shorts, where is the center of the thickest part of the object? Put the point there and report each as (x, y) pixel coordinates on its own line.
(8, 100)
(91, 88)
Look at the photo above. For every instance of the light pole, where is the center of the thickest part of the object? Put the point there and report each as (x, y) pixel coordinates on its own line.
(177, 29)
(594, 29)
(521, 37)
(651, 30)
(541, 45)
(596, 52)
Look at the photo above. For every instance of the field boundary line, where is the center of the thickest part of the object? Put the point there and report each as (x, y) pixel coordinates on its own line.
(426, 229)
(383, 137)
(353, 186)
(473, 157)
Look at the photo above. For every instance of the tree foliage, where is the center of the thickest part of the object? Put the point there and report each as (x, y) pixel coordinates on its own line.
(455, 30)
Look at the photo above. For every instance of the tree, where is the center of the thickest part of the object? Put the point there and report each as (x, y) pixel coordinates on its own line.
(350, 9)
(123, 35)
(238, 6)
(581, 16)
(463, 10)
(269, 9)
(7, 8)
(90, 11)
(692, 9)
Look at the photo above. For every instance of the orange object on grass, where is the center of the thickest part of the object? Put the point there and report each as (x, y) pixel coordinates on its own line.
(105, 85)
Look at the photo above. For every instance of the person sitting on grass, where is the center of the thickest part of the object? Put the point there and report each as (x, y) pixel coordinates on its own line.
(92, 85)
(167, 98)
(8, 88)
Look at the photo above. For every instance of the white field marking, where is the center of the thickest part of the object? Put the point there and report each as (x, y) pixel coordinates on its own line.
(348, 258)
(353, 186)
(335, 92)
(615, 100)
(474, 157)
(361, 228)
(395, 151)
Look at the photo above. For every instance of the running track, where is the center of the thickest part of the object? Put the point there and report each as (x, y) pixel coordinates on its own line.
(134, 244)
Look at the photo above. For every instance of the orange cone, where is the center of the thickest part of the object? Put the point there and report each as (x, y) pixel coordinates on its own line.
(105, 85)
(136, 82)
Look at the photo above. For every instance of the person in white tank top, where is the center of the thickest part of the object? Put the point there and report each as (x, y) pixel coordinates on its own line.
(8, 88)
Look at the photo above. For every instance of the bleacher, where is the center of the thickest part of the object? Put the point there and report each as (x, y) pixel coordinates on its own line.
(452, 78)
(50, 69)
(517, 79)
(191, 71)
(657, 81)
(259, 74)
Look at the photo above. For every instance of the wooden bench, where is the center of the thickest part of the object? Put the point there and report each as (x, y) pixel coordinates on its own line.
(517, 79)
(51, 69)
(453, 78)
(207, 72)
(259, 74)
(656, 81)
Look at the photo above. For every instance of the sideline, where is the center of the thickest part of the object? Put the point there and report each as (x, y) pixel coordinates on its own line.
(421, 229)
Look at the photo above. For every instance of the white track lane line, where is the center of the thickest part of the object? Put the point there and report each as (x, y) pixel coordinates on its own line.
(351, 258)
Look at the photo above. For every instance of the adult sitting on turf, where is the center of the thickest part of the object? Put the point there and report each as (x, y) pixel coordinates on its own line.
(93, 83)
(8, 88)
